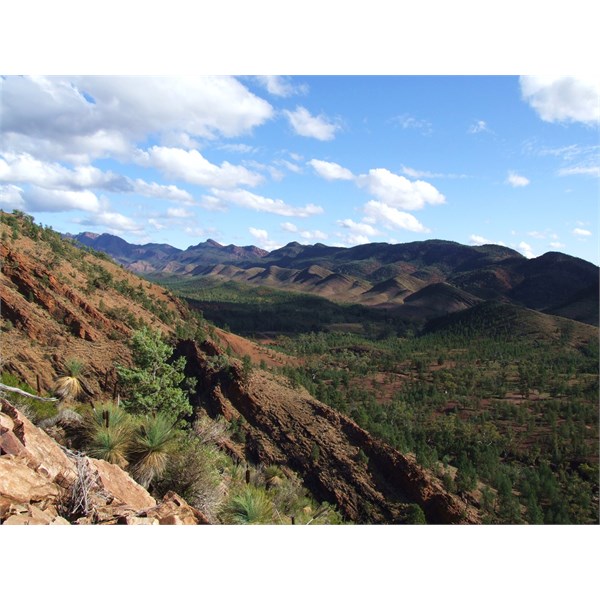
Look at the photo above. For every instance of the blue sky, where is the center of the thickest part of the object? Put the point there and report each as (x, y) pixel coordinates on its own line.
(341, 160)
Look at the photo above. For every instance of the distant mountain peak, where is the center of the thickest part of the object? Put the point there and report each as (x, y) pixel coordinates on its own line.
(211, 242)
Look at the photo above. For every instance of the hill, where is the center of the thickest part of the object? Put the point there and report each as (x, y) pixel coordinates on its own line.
(60, 302)
(380, 274)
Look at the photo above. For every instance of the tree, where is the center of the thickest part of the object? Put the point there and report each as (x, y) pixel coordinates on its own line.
(154, 385)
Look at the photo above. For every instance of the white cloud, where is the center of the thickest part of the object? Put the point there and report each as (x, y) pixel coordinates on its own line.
(408, 122)
(289, 227)
(246, 199)
(11, 197)
(112, 221)
(179, 213)
(37, 199)
(290, 166)
(416, 174)
(581, 232)
(556, 245)
(392, 218)
(82, 118)
(399, 192)
(259, 234)
(593, 170)
(281, 86)
(558, 99)
(479, 127)
(353, 239)
(239, 148)
(517, 180)
(304, 124)
(262, 237)
(155, 190)
(313, 235)
(24, 168)
(538, 235)
(191, 166)
(330, 170)
(479, 240)
(358, 228)
(526, 250)
(157, 224)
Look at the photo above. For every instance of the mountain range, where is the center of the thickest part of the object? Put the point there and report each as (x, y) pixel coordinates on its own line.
(416, 280)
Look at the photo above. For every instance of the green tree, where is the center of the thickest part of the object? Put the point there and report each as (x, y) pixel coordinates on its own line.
(154, 385)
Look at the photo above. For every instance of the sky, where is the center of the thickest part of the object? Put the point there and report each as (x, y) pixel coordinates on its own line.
(339, 160)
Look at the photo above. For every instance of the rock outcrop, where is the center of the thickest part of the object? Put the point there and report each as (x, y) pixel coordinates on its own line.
(42, 483)
(369, 481)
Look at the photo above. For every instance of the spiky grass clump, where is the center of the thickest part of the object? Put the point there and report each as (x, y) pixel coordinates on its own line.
(69, 386)
(252, 506)
(153, 444)
(110, 434)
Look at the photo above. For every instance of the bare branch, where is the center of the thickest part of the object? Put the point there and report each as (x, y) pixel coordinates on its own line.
(8, 388)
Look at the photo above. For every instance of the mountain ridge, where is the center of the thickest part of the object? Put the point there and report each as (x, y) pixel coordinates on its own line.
(551, 282)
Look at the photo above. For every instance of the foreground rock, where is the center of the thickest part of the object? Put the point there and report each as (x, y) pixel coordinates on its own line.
(44, 484)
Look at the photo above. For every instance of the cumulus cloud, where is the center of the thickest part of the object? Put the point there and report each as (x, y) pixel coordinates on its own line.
(581, 232)
(479, 127)
(330, 170)
(416, 174)
(11, 197)
(179, 213)
(191, 166)
(563, 99)
(221, 198)
(24, 168)
(392, 218)
(82, 118)
(407, 121)
(111, 221)
(304, 124)
(354, 239)
(259, 234)
(313, 235)
(517, 180)
(358, 228)
(526, 250)
(479, 240)
(262, 238)
(290, 166)
(592, 170)
(39, 199)
(155, 190)
(278, 85)
(287, 226)
(556, 245)
(398, 192)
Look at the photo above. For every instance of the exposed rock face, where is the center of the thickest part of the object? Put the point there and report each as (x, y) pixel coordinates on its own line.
(42, 484)
(289, 427)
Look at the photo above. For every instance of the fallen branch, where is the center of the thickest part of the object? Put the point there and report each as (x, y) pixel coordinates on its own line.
(14, 390)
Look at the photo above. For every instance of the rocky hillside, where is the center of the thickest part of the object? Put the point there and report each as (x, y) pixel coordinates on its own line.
(42, 483)
(339, 462)
(60, 302)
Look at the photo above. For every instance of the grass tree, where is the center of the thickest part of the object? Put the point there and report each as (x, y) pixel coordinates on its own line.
(109, 434)
(153, 444)
(70, 386)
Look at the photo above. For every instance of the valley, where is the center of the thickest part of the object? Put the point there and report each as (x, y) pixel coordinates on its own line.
(421, 382)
